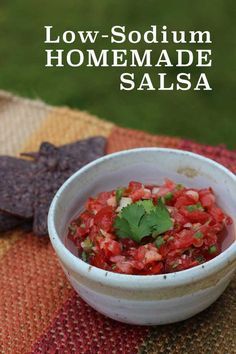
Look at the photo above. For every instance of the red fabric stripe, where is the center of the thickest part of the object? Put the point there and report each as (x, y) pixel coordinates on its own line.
(78, 328)
(217, 153)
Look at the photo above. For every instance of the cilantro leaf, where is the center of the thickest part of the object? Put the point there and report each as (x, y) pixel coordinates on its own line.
(159, 241)
(141, 219)
(122, 227)
(119, 194)
(140, 231)
(127, 224)
(147, 204)
(133, 214)
(160, 219)
(168, 196)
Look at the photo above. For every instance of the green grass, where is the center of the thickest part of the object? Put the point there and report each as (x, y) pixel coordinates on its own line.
(204, 116)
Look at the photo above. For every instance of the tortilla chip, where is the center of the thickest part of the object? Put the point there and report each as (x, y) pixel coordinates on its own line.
(16, 186)
(54, 167)
(9, 222)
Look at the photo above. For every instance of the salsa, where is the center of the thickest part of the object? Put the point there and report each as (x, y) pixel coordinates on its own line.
(150, 229)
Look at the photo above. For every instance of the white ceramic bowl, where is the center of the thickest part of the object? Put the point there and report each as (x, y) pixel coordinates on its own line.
(155, 299)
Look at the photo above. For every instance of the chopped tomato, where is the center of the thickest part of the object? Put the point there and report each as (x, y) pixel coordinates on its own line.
(207, 198)
(137, 195)
(103, 197)
(156, 268)
(124, 267)
(112, 248)
(195, 216)
(134, 186)
(99, 260)
(216, 213)
(104, 218)
(183, 200)
(93, 205)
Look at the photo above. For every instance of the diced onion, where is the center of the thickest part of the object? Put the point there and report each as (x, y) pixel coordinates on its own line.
(155, 190)
(193, 194)
(123, 203)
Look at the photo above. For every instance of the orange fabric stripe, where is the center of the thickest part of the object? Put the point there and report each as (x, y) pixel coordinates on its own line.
(32, 288)
(62, 126)
(7, 239)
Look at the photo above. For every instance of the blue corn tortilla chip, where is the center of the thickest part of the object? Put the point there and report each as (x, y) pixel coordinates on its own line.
(9, 222)
(54, 166)
(16, 187)
(27, 187)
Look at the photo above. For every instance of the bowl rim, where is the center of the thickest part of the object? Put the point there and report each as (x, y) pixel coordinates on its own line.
(109, 278)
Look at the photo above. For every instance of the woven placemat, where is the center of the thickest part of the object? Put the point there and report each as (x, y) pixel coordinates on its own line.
(39, 311)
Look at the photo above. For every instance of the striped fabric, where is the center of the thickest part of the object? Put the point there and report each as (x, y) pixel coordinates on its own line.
(39, 311)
